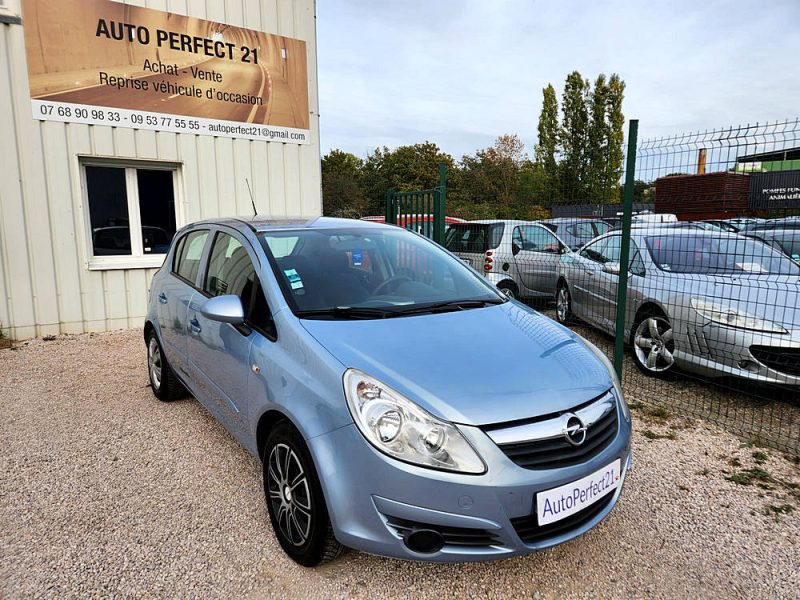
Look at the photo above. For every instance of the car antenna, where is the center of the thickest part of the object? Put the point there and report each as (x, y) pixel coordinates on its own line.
(252, 200)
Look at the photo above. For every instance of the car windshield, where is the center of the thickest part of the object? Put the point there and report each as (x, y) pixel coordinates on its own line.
(368, 273)
(473, 237)
(718, 255)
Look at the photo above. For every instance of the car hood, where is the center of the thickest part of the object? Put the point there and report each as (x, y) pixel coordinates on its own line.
(775, 298)
(479, 366)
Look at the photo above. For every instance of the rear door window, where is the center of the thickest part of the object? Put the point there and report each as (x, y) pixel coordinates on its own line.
(188, 253)
(601, 227)
(473, 237)
(538, 239)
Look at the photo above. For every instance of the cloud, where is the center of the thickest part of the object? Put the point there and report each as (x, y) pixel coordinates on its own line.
(460, 73)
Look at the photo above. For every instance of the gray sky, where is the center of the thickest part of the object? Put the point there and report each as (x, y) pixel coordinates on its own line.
(460, 73)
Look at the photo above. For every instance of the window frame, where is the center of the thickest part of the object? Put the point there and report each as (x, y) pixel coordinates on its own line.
(175, 255)
(10, 12)
(137, 259)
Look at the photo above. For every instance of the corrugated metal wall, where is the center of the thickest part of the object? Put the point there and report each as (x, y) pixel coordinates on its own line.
(45, 284)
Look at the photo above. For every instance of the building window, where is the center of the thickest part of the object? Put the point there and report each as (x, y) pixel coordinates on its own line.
(131, 213)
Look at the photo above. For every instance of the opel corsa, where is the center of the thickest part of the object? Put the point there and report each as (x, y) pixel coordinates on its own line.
(400, 404)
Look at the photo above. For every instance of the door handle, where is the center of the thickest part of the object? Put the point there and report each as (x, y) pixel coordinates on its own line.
(194, 324)
(162, 298)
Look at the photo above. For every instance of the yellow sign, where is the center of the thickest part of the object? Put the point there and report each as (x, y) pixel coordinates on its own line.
(105, 63)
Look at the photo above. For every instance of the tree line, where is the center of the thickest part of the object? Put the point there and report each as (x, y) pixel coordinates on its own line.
(578, 160)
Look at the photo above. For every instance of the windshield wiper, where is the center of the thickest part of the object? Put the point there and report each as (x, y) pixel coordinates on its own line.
(348, 312)
(451, 306)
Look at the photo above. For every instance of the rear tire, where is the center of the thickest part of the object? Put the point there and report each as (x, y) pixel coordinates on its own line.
(295, 501)
(163, 382)
(563, 304)
(508, 289)
(653, 344)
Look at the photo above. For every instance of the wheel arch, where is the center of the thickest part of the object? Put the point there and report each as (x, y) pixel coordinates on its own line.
(647, 307)
(266, 423)
(148, 327)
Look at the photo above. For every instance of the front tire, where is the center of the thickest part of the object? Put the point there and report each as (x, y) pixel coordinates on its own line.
(508, 289)
(163, 382)
(654, 344)
(295, 501)
(563, 304)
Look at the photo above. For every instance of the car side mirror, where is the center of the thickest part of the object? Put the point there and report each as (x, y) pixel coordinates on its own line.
(612, 268)
(225, 309)
(515, 249)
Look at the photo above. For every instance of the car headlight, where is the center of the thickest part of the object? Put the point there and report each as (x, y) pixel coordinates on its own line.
(398, 427)
(733, 317)
(612, 372)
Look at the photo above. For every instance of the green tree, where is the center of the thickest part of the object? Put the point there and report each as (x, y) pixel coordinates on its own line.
(490, 177)
(573, 137)
(597, 144)
(616, 135)
(405, 168)
(548, 133)
(342, 194)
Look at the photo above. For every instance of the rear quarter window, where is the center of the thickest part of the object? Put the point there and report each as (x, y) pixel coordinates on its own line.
(188, 251)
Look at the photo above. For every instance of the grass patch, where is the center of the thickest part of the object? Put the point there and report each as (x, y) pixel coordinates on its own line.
(652, 435)
(760, 457)
(781, 509)
(749, 476)
(748, 444)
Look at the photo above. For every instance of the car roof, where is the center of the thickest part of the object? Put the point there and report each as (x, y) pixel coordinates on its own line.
(571, 219)
(506, 221)
(681, 231)
(261, 223)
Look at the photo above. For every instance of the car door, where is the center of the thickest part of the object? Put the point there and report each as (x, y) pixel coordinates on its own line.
(175, 294)
(538, 258)
(219, 353)
(585, 271)
(604, 286)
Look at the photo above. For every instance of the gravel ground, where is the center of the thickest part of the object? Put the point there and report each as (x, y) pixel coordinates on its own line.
(106, 491)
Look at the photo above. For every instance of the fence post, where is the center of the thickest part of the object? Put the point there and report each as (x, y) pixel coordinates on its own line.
(438, 207)
(389, 211)
(624, 255)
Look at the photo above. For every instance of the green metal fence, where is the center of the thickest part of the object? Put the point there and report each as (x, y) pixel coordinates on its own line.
(422, 211)
(705, 321)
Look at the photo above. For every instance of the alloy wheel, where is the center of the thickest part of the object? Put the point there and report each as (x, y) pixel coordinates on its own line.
(289, 494)
(654, 344)
(562, 304)
(508, 292)
(154, 362)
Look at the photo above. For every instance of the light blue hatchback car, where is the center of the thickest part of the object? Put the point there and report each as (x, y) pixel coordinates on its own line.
(399, 403)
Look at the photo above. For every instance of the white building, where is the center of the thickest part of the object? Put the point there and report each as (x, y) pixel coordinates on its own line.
(87, 207)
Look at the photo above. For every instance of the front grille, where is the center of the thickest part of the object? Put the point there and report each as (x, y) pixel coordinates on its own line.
(557, 452)
(530, 532)
(453, 536)
(785, 360)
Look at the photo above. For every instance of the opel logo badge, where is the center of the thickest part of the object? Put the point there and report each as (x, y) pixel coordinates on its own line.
(574, 429)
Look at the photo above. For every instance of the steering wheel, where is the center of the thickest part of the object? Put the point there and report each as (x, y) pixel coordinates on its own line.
(388, 282)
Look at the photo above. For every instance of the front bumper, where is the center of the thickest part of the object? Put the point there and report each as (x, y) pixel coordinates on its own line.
(373, 499)
(717, 351)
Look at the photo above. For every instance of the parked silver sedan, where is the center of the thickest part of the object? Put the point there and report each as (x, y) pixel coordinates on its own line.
(711, 303)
